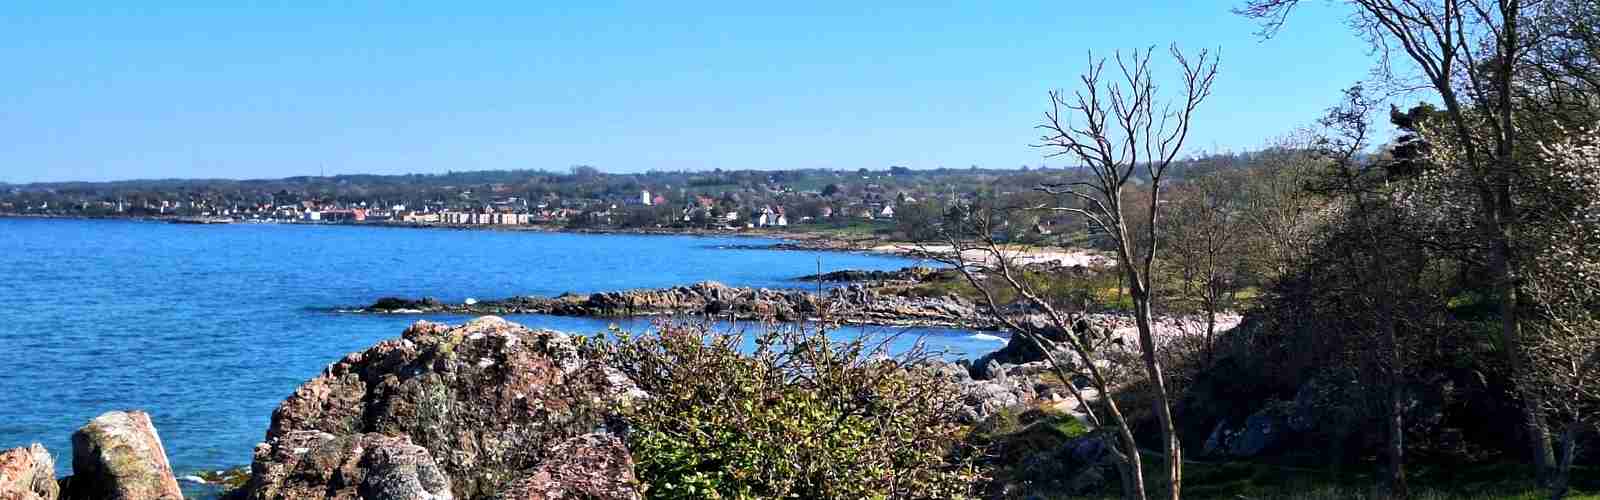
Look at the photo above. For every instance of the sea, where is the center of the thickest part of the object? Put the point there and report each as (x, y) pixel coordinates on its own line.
(209, 327)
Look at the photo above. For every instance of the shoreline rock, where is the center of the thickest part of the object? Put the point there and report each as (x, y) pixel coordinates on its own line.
(852, 304)
(119, 455)
(484, 402)
(592, 466)
(28, 474)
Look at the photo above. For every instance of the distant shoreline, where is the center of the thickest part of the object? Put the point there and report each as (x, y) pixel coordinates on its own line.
(794, 240)
(791, 240)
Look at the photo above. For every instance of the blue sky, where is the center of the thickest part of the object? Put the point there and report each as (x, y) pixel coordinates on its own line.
(108, 90)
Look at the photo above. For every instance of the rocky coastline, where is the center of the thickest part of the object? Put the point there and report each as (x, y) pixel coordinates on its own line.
(864, 298)
(492, 410)
(486, 410)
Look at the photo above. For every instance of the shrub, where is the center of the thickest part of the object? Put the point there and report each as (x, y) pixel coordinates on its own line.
(799, 417)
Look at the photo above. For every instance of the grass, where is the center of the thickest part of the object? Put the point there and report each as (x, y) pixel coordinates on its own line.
(1260, 481)
(845, 228)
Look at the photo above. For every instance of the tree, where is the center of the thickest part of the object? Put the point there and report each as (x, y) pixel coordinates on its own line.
(1372, 251)
(1469, 53)
(992, 268)
(1278, 216)
(1563, 357)
(1202, 231)
(1114, 128)
(919, 221)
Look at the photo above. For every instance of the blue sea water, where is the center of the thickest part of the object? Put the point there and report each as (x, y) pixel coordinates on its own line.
(208, 328)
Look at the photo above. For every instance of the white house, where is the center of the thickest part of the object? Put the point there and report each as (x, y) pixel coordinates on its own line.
(644, 197)
(766, 217)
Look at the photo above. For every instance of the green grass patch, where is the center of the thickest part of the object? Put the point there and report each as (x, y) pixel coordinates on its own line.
(1264, 481)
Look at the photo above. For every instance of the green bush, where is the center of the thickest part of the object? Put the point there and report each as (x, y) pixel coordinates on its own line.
(799, 417)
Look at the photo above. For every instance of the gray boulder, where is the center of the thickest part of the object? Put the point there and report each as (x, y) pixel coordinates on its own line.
(1262, 432)
(313, 464)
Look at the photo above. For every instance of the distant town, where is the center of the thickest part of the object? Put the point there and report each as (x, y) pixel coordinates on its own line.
(892, 200)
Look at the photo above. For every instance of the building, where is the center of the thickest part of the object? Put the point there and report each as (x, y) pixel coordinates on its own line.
(644, 198)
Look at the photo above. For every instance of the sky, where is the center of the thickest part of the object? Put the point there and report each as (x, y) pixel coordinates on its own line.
(107, 90)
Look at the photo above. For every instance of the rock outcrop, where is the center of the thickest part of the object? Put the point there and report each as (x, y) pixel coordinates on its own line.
(119, 456)
(314, 464)
(909, 274)
(855, 303)
(487, 401)
(28, 474)
(591, 466)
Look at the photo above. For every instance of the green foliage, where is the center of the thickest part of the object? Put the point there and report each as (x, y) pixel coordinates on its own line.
(1096, 289)
(919, 221)
(800, 417)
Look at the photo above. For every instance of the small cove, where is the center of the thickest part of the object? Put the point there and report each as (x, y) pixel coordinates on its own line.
(209, 327)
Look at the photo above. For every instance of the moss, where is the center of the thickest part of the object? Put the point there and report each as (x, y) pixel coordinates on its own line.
(230, 479)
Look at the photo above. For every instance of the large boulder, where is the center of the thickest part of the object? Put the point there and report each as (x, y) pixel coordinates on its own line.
(981, 399)
(486, 400)
(1262, 432)
(591, 466)
(119, 456)
(28, 474)
(1021, 349)
(314, 464)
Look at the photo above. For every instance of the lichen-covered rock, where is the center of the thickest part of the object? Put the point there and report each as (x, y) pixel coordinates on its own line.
(314, 464)
(119, 456)
(981, 399)
(485, 399)
(28, 474)
(591, 466)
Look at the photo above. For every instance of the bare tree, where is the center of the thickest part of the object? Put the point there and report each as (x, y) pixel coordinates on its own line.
(972, 235)
(1203, 233)
(1116, 128)
(1468, 53)
(1277, 214)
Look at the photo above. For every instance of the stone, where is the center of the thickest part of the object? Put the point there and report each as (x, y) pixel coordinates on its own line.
(1262, 432)
(982, 399)
(945, 370)
(119, 456)
(28, 474)
(486, 400)
(591, 467)
(313, 464)
(878, 304)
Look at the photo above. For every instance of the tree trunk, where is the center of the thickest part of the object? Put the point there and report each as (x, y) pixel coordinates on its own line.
(1133, 475)
(1397, 446)
(1538, 434)
(1563, 471)
(1169, 435)
(1211, 332)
